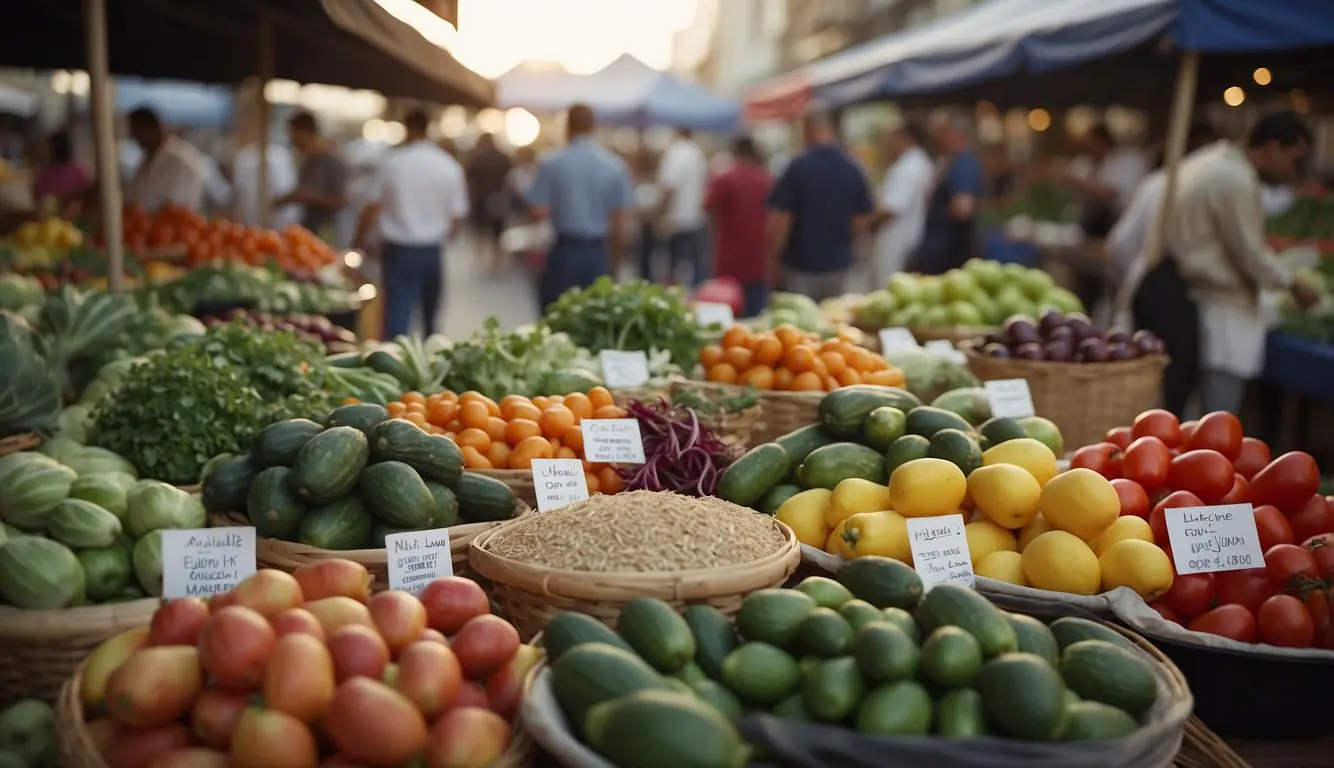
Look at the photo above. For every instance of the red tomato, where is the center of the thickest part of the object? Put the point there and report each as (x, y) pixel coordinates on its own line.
(1218, 431)
(138, 747)
(1290, 566)
(1321, 547)
(399, 617)
(375, 724)
(268, 592)
(429, 676)
(1240, 493)
(358, 651)
(1247, 588)
(299, 678)
(155, 686)
(472, 694)
(1322, 615)
(1253, 457)
(1103, 458)
(1134, 501)
(267, 738)
(1272, 526)
(1146, 462)
(1160, 424)
(178, 622)
(1207, 474)
(234, 646)
(1166, 611)
(451, 602)
(467, 736)
(1188, 429)
(484, 645)
(1231, 621)
(295, 620)
(215, 716)
(1313, 518)
(1287, 482)
(1190, 595)
(1120, 437)
(1284, 621)
(1158, 517)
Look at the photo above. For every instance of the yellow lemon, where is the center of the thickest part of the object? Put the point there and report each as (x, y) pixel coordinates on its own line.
(1002, 566)
(1125, 527)
(855, 495)
(1138, 564)
(985, 537)
(927, 488)
(1006, 493)
(1062, 562)
(804, 513)
(1024, 452)
(1033, 530)
(1081, 502)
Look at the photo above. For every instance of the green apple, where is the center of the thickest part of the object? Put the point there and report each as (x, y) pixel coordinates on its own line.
(1063, 300)
(937, 316)
(1045, 432)
(903, 287)
(1012, 301)
(963, 313)
(910, 316)
(960, 286)
(990, 275)
(1013, 273)
(1036, 284)
(932, 290)
(989, 309)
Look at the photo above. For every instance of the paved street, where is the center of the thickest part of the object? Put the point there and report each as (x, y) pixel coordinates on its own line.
(473, 294)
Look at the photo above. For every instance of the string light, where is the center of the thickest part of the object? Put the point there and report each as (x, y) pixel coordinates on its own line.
(1234, 96)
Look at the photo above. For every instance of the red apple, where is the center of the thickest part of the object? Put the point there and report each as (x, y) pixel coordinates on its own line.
(358, 651)
(335, 613)
(472, 694)
(484, 645)
(269, 592)
(451, 602)
(505, 686)
(295, 620)
(467, 737)
(399, 617)
(430, 676)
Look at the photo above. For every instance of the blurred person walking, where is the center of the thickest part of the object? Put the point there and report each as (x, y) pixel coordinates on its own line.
(282, 176)
(585, 192)
(488, 168)
(169, 172)
(738, 202)
(417, 198)
(818, 204)
(321, 187)
(683, 177)
(60, 179)
(900, 214)
(950, 237)
(648, 200)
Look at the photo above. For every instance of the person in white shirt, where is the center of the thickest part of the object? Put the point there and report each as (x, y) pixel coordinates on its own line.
(683, 177)
(418, 197)
(169, 173)
(282, 180)
(900, 214)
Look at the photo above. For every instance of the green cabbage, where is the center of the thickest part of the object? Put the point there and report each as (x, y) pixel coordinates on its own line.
(38, 573)
(92, 460)
(29, 493)
(148, 563)
(154, 506)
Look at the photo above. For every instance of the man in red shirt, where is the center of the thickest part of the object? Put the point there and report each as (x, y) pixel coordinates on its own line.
(738, 202)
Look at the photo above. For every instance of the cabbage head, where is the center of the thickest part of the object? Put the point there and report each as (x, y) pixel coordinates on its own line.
(154, 505)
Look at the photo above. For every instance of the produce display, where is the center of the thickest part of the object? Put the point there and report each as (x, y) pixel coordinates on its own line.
(789, 360)
(316, 328)
(211, 288)
(1062, 338)
(681, 454)
(29, 393)
(528, 362)
(869, 653)
(27, 738)
(387, 370)
(980, 293)
(1310, 219)
(40, 244)
(305, 669)
(295, 249)
(349, 482)
(637, 316)
(929, 375)
(804, 314)
(1317, 323)
(716, 403)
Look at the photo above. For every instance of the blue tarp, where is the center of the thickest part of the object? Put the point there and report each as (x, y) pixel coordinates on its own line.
(178, 103)
(1230, 26)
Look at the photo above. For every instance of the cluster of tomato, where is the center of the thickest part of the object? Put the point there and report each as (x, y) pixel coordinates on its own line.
(1159, 463)
(295, 249)
(788, 360)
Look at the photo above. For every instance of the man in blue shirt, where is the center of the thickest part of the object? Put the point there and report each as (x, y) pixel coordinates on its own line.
(819, 203)
(951, 215)
(586, 193)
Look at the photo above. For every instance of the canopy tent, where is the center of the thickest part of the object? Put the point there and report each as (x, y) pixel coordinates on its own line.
(538, 86)
(679, 104)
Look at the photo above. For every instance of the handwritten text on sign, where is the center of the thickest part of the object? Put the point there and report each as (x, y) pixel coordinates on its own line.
(940, 550)
(1010, 398)
(612, 441)
(558, 482)
(204, 561)
(897, 338)
(709, 313)
(417, 558)
(624, 369)
(1209, 539)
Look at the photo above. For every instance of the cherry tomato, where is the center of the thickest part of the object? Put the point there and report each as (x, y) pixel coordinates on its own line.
(1188, 429)
(1321, 547)
(1134, 501)
(1103, 458)
(1240, 493)
(1166, 611)
(1190, 595)
(1253, 457)
(1246, 588)
(1272, 526)
(1314, 517)
(1207, 474)
(1158, 517)
(1120, 437)
(1231, 621)
(1160, 424)
(1218, 431)
(1287, 482)
(1147, 461)
(1284, 621)
(1290, 566)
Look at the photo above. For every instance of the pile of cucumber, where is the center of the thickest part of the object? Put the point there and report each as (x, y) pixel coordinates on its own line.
(348, 483)
(869, 652)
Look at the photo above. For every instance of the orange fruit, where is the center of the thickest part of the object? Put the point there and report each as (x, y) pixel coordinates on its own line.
(818, 366)
(722, 373)
(609, 481)
(833, 362)
(416, 418)
(806, 381)
(499, 455)
(783, 379)
(768, 350)
(799, 359)
(477, 438)
(609, 412)
(830, 383)
(878, 378)
(524, 410)
(740, 358)
(759, 377)
(441, 412)
(454, 426)
(473, 413)
(600, 396)
(876, 362)
(541, 402)
(849, 377)
(738, 336)
(556, 420)
(592, 480)
(511, 400)
(574, 439)
(413, 397)
(518, 430)
(473, 458)
(396, 409)
(710, 354)
(522, 455)
(416, 407)
(565, 452)
(495, 429)
(788, 336)
(556, 444)
(579, 404)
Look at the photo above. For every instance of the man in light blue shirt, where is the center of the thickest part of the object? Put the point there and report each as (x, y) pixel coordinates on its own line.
(586, 193)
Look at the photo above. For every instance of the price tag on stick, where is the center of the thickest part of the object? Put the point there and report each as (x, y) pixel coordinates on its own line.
(200, 562)
(612, 441)
(558, 482)
(897, 338)
(624, 369)
(1212, 539)
(1010, 398)
(710, 313)
(417, 558)
(940, 550)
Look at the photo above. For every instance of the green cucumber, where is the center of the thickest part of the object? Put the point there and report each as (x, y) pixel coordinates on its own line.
(799, 443)
(271, 506)
(828, 466)
(226, 488)
(957, 605)
(328, 466)
(833, 690)
(363, 416)
(657, 633)
(341, 525)
(882, 582)
(715, 637)
(277, 444)
(445, 511)
(394, 492)
(571, 629)
(484, 499)
(773, 615)
(843, 411)
(593, 673)
(435, 457)
(761, 673)
(748, 478)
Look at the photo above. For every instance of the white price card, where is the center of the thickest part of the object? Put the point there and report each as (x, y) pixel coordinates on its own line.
(1210, 539)
(944, 349)
(624, 369)
(558, 482)
(710, 313)
(1010, 398)
(200, 562)
(940, 550)
(417, 558)
(612, 441)
(896, 338)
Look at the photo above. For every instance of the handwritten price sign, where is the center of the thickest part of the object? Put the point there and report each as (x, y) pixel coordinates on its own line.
(940, 550)
(1212, 539)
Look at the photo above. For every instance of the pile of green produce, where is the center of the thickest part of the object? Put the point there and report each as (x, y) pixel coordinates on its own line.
(406, 364)
(868, 652)
(636, 316)
(1039, 201)
(711, 403)
(351, 481)
(22, 294)
(29, 393)
(981, 293)
(529, 362)
(80, 528)
(268, 290)
(1308, 218)
(1316, 323)
(27, 736)
(927, 374)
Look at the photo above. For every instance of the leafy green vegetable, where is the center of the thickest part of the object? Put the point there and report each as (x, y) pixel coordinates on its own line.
(716, 402)
(637, 315)
(496, 363)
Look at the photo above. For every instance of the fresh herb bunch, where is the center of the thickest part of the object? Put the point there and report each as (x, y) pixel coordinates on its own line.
(636, 316)
(496, 363)
(716, 403)
(286, 371)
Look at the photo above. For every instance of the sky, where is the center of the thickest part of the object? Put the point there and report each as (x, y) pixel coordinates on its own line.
(582, 35)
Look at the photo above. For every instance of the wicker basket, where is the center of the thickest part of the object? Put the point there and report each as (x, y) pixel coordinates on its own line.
(290, 555)
(520, 481)
(529, 595)
(1083, 399)
(734, 428)
(951, 333)
(786, 411)
(24, 441)
(39, 650)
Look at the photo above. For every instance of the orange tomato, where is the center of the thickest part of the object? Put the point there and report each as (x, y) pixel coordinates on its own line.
(495, 429)
(413, 397)
(435, 429)
(759, 377)
(848, 377)
(416, 418)
(738, 336)
(541, 402)
(454, 426)
(449, 397)
(556, 444)
(574, 439)
(878, 378)
(396, 409)
(441, 412)
(473, 459)
(498, 454)
(876, 362)
(416, 407)
(565, 452)
(609, 481)
(833, 362)
(818, 366)
(740, 358)
(580, 405)
(520, 410)
(799, 359)
(722, 373)
(600, 396)
(711, 354)
(768, 350)
(509, 401)
(476, 438)
(592, 480)
(609, 412)
(783, 379)
(518, 430)
(535, 447)
(492, 408)
(806, 381)
(473, 414)
(556, 420)
(788, 336)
